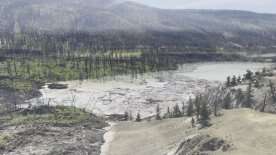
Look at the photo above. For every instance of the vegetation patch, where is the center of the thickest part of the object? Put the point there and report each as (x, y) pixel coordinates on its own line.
(59, 115)
(4, 140)
(16, 84)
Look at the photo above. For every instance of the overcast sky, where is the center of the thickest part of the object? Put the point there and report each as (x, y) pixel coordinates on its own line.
(266, 6)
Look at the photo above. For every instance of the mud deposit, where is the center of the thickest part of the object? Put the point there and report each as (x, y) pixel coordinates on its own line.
(119, 94)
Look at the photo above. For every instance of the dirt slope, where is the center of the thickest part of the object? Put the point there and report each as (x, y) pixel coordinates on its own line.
(249, 132)
(252, 133)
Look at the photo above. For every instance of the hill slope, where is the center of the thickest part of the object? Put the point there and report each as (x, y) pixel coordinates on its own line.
(138, 24)
(250, 133)
(96, 15)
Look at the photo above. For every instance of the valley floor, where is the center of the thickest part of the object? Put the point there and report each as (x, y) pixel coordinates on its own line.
(247, 131)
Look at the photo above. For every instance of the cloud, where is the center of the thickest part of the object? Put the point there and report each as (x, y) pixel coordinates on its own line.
(266, 6)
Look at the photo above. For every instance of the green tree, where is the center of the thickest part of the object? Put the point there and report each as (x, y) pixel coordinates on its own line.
(138, 117)
(204, 115)
(234, 81)
(248, 75)
(130, 116)
(239, 80)
(264, 71)
(228, 81)
(249, 96)
(126, 116)
(176, 111)
(227, 101)
(240, 97)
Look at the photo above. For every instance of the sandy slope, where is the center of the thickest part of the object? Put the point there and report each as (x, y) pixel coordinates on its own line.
(147, 138)
(250, 132)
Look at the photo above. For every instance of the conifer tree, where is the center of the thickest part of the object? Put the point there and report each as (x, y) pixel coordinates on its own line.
(248, 75)
(264, 71)
(240, 97)
(228, 81)
(227, 101)
(204, 115)
(130, 116)
(126, 116)
(234, 81)
(176, 111)
(138, 117)
(249, 96)
(239, 80)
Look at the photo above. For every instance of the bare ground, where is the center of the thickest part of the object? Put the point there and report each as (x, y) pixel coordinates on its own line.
(33, 132)
(249, 133)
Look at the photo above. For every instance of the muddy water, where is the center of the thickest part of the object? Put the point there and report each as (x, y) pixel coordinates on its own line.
(141, 94)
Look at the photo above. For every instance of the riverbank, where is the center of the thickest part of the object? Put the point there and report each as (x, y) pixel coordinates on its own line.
(108, 138)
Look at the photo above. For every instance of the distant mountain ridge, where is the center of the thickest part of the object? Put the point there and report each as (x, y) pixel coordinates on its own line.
(239, 28)
(102, 15)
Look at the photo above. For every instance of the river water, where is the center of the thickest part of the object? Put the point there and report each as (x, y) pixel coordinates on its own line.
(116, 95)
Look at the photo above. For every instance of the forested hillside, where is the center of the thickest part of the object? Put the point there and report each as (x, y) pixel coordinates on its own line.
(93, 25)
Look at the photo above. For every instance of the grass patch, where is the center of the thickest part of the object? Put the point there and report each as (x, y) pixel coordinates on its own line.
(59, 115)
(4, 140)
(126, 54)
(16, 84)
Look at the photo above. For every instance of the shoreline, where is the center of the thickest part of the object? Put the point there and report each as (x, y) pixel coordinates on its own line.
(108, 138)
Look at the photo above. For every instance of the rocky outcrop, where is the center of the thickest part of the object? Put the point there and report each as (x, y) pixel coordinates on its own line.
(201, 145)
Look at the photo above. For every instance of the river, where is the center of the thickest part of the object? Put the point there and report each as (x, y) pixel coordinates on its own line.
(116, 95)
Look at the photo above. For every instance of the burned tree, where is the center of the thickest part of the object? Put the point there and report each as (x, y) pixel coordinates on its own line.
(158, 111)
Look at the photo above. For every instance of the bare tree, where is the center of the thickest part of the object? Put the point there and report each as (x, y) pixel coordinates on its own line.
(264, 103)
(158, 111)
(272, 90)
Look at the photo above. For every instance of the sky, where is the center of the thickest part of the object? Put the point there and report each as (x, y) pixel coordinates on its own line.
(263, 6)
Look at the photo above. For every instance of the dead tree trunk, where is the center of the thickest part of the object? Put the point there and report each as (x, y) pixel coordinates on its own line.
(264, 104)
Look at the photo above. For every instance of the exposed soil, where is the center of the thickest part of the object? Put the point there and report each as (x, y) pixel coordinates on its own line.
(80, 138)
(242, 131)
(49, 140)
